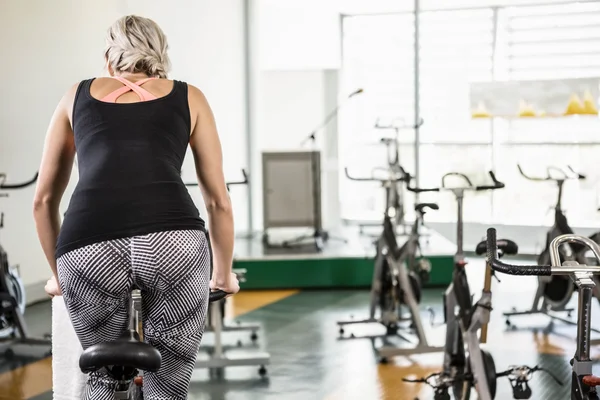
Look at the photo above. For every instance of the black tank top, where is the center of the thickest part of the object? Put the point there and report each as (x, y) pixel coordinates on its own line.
(129, 159)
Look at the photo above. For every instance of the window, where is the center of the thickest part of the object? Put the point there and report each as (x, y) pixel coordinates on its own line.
(548, 42)
(379, 57)
(457, 47)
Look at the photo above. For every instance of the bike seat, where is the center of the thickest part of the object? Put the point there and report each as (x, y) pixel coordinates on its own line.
(504, 245)
(127, 351)
(421, 206)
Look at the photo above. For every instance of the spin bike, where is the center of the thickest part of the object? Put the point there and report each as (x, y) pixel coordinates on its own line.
(123, 359)
(395, 197)
(397, 279)
(477, 370)
(462, 372)
(13, 328)
(554, 292)
(215, 358)
(583, 382)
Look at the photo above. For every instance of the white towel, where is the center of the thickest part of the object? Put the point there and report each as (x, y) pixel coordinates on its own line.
(67, 379)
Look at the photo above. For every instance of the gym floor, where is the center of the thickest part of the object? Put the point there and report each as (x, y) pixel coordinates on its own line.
(309, 362)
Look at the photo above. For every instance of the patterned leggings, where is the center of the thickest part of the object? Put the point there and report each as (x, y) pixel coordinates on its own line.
(172, 270)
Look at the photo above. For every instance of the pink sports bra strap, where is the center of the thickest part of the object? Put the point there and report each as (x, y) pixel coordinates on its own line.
(141, 92)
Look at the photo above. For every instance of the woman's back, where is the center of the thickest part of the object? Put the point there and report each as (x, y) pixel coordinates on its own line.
(131, 221)
(130, 156)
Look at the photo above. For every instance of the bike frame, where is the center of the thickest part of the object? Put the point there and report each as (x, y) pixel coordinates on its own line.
(395, 197)
(404, 263)
(465, 324)
(583, 383)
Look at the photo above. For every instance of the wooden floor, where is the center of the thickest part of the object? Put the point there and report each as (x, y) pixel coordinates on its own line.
(308, 361)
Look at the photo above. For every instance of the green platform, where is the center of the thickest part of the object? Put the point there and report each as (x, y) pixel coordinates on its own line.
(340, 265)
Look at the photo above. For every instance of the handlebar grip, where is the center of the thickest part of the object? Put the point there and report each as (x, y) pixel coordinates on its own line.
(499, 266)
(19, 185)
(497, 184)
(500, 185)
(419, 190)
(217, 295)
(579, 176)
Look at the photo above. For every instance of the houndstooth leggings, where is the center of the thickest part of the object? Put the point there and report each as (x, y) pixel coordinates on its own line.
(172, 270)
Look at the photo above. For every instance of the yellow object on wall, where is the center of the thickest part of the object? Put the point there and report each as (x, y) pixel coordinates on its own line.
(480, 112)
(526, 109)
(589, 104)
(575, 106)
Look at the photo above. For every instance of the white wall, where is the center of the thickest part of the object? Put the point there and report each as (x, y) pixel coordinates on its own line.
(50, 45)
(296, 54)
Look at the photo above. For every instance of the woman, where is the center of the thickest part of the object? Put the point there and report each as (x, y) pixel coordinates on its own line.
(131, 220)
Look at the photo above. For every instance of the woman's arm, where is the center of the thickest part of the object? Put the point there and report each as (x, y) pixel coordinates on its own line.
(208, 157)
(55, 171)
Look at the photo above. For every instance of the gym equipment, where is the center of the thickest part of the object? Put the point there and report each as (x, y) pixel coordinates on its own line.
(583, 382)
(462, 372)
(252, 328)
(518, 376)
(394, 204)
(396, 281)
(13, 328)
(293, 175)
(215, 359)
(554, 292)
(395, 197)
(474, 368)
(421, 267)
(124, 358)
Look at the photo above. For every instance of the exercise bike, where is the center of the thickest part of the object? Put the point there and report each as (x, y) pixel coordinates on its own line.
(13, 328)
(395, 196)
(215, 358)
(124, 358)
(583, 382)
(397, 280)
(554, 292)
(462, 372)
(476, 370)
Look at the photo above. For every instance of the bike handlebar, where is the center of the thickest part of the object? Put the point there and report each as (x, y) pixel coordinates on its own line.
(12, 186)
(543, 270)
(404, 178)
(497, 184)
(243, 182)
(217, 295)
(548, 177)
(404, 126)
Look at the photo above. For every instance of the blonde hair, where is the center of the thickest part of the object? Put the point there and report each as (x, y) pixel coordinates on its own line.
(136, 44)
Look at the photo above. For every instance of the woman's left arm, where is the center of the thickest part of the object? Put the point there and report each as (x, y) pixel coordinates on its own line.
(55, 171)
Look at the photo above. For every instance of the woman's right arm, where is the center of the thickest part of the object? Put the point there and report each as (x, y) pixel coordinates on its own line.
(208, 157)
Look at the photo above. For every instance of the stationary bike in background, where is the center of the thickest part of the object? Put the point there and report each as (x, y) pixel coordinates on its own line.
(554, 292)
(13, 329)
(464, 370)
(470, 367)
(397, 279)
(216, 357)
(395, 197)
(461, 372)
